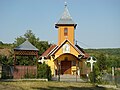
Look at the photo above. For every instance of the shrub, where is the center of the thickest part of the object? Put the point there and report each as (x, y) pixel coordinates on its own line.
(29, 75)
(95, 76)
(92, 77)
(44, 71)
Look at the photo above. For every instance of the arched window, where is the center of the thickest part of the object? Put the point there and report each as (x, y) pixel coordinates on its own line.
(65, 31)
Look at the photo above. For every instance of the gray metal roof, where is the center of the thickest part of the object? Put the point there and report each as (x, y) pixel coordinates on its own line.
(66, 18)
(26, 46)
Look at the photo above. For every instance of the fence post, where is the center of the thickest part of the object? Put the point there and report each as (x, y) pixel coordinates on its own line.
(58, 71)
(0, 71)
(113, 74)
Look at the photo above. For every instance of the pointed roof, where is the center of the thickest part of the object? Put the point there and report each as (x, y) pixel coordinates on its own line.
(53, 48)
(79, 51)
(66, 19)
(76, 47)
(26, 46)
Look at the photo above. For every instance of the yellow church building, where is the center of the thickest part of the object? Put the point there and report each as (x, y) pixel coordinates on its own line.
(65, 57)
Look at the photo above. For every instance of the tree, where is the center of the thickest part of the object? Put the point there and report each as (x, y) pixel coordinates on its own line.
(41, 45)
(26, 60)
(1, 43)
(6, 60)
(28, 35)
(101, 62)
(44, 71)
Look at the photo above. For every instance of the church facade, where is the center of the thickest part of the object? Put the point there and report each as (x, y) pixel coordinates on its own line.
(66, 57)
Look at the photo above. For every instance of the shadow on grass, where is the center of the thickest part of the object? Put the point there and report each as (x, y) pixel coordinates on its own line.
(70, 88)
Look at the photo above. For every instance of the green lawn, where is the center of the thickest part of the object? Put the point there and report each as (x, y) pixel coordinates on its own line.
(38, 85)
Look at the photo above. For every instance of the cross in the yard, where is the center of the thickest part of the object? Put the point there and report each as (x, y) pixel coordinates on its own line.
(91, 60)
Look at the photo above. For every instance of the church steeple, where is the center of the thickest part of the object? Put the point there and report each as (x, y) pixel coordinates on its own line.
(66, 19)
(66, 27)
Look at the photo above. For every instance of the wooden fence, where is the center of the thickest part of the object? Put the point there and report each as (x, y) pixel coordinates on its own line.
(19, 72)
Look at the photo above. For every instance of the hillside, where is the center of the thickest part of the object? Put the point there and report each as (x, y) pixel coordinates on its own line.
(5, 49)
(108, 51)
(5, 52)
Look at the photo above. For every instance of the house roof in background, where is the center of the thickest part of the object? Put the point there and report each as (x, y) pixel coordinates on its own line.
(46, 53)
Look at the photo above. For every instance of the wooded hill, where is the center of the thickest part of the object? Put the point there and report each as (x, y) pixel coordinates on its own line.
(106, 51)
(109, 57)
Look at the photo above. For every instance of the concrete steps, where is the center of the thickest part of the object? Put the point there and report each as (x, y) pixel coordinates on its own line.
(69, 78)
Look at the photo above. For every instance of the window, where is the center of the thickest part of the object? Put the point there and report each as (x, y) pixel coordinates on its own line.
(66, 48)
(65, 31)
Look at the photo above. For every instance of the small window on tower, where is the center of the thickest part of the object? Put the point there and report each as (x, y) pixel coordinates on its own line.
(65, 31)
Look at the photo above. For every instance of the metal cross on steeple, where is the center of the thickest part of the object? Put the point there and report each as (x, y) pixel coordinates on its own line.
(65, 3)
(91, 60)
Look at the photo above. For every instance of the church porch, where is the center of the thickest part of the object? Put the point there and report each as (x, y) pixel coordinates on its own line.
(67, 64)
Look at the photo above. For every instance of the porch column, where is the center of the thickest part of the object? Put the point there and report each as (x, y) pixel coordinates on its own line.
(36, 63)
(76, 70)
(14, 59)
(79, 68)
(58, 63)
(37, 57)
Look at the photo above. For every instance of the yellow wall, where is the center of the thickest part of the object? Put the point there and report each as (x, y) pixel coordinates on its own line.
(53, 64)
(61, 36)
(72, 51)
(50, 63)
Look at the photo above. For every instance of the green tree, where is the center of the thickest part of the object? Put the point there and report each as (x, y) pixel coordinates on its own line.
(44, 71)
(28, 35)
(95, 76)
(26, 60)
(41, 45)
(1, 43)
(6, 60)
(101, 62)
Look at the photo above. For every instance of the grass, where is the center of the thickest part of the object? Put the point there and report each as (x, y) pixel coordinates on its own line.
(52, 85)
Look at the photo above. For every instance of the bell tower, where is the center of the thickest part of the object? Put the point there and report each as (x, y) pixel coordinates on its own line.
(66, 27)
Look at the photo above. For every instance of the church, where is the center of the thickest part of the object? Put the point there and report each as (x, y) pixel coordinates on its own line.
(65, 57)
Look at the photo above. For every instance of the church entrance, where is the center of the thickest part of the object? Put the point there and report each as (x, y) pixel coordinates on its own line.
(66, 64)
(65, 67)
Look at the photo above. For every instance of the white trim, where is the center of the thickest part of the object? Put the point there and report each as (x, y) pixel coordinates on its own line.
(52, 50)
(71, 45)
(66, 53)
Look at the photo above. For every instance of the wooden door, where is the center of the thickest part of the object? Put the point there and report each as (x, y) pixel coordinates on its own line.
(66, 67)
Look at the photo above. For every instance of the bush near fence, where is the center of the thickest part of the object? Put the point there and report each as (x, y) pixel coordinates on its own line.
(44, 71)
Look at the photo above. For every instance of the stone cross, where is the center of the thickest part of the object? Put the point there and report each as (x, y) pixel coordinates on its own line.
(42, 60)
(91, 61)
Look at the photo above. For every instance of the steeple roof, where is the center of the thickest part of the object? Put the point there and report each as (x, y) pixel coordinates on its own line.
(65, 19)
(26, 46)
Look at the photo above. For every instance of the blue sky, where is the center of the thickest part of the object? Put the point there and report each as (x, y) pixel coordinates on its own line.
(98, 20)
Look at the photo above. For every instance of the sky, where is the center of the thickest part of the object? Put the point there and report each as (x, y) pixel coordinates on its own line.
(98, 21)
